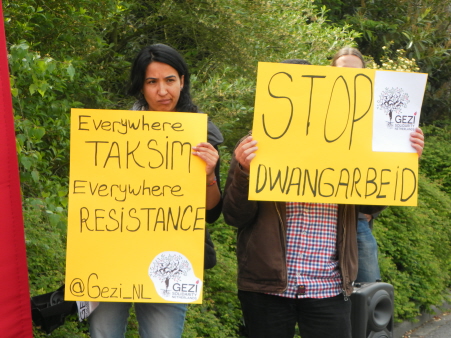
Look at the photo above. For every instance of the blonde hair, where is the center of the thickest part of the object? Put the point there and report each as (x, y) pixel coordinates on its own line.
(348, 51)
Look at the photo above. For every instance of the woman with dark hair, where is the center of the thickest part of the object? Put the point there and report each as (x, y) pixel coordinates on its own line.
(160, 81)
(162, 54)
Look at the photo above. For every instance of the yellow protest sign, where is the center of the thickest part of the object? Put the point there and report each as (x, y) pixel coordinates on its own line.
(136, 207)
(335, 135)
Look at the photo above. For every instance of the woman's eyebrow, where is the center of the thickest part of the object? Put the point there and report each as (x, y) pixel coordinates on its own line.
(154, 78)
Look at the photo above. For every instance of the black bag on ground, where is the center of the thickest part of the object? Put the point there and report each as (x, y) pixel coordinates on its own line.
(50, 310)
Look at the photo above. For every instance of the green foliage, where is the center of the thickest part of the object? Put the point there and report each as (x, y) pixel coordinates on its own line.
(229, 103)
(56, 27)
(415, 250)
(41, 127)
(72, 328)
(76, 31)
(44, 90)
(397, 62)
(420, 27)
(46, 254)
(436, 160)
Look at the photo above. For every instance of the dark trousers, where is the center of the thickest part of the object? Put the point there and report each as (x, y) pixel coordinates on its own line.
(267, 316)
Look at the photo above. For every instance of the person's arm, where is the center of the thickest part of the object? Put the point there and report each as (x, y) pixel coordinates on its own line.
(213, 214)
(238, 210)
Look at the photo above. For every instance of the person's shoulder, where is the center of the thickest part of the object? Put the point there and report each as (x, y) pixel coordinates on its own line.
(214, 134)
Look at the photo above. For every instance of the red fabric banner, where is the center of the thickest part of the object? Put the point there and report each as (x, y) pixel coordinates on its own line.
(15, 310)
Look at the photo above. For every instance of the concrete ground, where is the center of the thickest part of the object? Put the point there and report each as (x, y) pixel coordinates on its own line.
(437, 325)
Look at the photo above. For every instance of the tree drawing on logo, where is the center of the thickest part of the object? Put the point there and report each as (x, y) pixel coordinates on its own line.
(392, 100)
(169, 266)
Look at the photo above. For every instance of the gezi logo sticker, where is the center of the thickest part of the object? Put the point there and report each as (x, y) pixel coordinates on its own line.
(391, 101)
(398, 97)
(173, 277)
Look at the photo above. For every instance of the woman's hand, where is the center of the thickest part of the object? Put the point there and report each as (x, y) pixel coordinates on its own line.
(210, 156)
(245, 152)
(417, 139)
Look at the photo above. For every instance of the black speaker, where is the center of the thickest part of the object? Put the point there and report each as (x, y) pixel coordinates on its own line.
(372, 310)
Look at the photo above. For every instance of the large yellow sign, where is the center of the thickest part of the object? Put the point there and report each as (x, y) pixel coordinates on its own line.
(136, 207)
(335, 135)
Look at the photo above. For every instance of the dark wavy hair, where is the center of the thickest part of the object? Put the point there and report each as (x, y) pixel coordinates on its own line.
(348, 51)
(168, 55)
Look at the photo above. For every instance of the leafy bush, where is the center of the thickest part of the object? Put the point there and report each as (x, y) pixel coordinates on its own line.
(229, 102)
(415, 250)
(420, 27)
(436, 160)
(44, 90)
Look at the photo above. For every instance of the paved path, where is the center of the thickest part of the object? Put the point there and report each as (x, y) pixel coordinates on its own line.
(438, 327)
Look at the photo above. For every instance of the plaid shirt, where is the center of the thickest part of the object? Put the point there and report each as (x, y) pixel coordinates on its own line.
(312, 262)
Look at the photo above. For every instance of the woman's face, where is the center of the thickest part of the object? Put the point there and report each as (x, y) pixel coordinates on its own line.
(350, 61)
(162, 87)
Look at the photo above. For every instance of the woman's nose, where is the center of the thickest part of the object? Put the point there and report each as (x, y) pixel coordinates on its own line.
(162, 90)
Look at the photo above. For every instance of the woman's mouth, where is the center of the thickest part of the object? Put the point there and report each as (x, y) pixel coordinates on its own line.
(164, 102)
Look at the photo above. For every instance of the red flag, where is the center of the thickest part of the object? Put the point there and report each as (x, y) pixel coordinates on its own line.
(15, 310)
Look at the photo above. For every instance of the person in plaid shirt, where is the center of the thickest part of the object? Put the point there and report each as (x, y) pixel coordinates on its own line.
(296, 261)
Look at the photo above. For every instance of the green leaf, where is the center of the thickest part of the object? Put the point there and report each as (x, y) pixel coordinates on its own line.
(42, 65)
(71, 71)
(35, 176)
(42, 88)
(54, 219)
(21, 138)
(37, 133)
(32, 88)
(26, 162)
